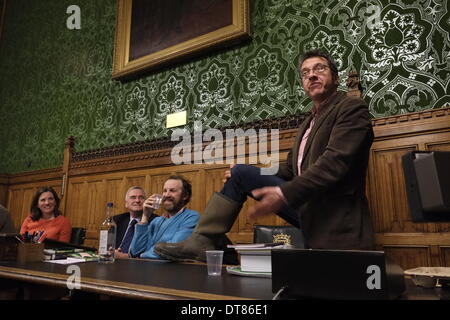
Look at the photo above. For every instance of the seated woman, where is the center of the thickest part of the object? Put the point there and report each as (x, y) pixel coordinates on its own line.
(45, 216)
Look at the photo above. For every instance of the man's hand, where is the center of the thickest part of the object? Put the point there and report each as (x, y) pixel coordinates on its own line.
(148, 209)
(270, 201)
(118, 254)
(227, 174)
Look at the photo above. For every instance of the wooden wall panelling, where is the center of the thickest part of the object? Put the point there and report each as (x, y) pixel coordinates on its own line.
(415, 238)
(16, 206)
(439, 141)
(442, 143)
(76, 205)
(157, 180)
(86, 205)
(435, 256)
(408, 243)
(213, 181)
(4, 181)
(438, 146)
(115, 189)
(409, 256)
(139, 180)
(3, 195)
(95, 207)
(387, 193)
(445, 254)
(381, 189)
(417, 123)
(388, 200)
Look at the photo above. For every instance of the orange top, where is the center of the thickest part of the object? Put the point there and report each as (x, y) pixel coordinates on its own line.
(58, 228)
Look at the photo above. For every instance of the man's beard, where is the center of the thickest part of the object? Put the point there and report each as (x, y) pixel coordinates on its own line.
(329, 89)
(172, 206)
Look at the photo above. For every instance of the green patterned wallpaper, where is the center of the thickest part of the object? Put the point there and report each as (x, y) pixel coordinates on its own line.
(57, 82)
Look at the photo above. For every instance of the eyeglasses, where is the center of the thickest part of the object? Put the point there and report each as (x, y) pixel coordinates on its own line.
(317, 69)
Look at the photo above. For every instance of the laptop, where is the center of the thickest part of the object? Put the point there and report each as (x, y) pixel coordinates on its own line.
(335, 274)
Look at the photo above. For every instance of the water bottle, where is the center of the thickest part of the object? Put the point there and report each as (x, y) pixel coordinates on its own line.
(107, 240)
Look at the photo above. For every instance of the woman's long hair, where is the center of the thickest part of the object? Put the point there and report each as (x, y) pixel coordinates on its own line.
(36, 213)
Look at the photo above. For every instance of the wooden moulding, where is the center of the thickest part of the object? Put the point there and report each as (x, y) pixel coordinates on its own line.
(4, 179)
(35, 176)
(157, 153)
(417, 123)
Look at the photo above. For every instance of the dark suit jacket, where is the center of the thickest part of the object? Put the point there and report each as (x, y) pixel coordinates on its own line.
(122, 220)
(330, 192)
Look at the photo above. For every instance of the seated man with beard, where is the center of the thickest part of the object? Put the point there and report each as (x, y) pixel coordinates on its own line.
(175, 224)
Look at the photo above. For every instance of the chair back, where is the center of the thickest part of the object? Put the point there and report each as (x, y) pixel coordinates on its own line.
(78, 235)
(282, 234)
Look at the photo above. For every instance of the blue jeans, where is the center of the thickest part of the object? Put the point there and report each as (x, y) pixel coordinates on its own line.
(245, 178)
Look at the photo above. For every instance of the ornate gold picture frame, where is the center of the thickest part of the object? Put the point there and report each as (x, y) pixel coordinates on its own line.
(152, 34)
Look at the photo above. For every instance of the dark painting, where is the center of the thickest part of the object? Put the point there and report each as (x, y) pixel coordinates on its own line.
(159, 24)
(156, 33)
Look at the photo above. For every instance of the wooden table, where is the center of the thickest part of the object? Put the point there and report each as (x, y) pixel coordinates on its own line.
(158, 280)
(143, 279)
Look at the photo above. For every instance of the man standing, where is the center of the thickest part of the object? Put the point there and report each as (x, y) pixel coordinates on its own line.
(320, 188)
(134, 201)
(174, 225)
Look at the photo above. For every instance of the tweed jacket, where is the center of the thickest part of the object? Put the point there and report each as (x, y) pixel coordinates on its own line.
(330, 192)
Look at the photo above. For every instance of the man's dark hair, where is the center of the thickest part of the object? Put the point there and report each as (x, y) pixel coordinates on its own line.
(36, 213)
(322, 54)
(187, 187)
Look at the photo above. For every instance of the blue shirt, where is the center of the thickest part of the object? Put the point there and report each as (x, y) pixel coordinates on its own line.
(161, 229)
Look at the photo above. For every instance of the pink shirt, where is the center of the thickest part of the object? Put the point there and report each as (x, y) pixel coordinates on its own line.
(301, 149)
(304, 140)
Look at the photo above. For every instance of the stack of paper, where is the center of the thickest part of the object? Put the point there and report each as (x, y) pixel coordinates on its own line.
(72, 255)
(237, 271)
(256, 258)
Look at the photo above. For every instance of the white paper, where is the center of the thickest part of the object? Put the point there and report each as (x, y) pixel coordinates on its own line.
(256, 245)
(66, 261)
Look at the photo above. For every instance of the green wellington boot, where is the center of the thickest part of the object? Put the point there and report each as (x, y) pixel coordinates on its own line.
(219, 216)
